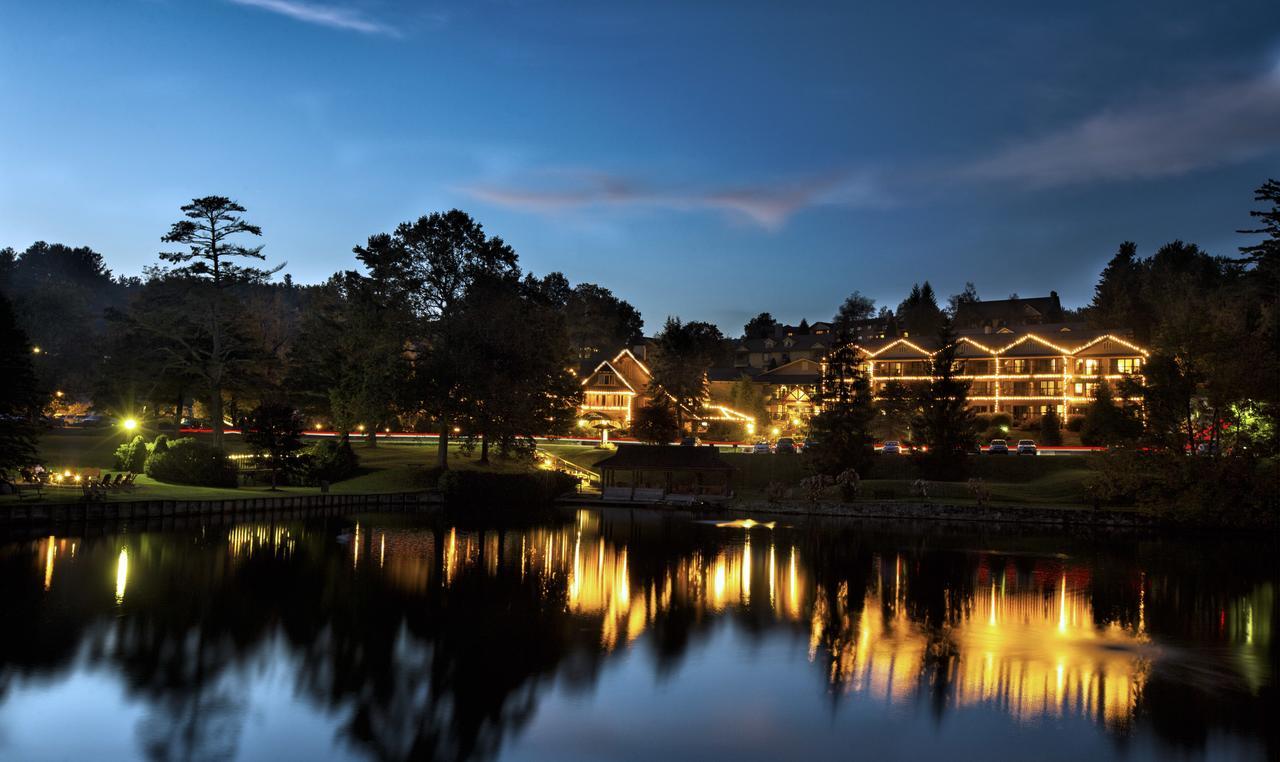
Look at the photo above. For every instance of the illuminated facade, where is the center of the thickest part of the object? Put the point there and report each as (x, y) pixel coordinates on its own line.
(616, 388)
(1024, 372)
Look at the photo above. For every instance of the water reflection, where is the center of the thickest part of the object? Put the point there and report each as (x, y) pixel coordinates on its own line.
(440, 640)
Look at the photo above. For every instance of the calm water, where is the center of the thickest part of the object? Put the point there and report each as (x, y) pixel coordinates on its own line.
(634, 636)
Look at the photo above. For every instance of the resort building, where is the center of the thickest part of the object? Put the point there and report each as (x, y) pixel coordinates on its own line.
(615, 389)
(998, 314)
(787, 344)
(1025, 371)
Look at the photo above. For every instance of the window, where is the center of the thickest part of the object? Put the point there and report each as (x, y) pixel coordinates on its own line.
(605, 379)
(1127, 364)
(1087, 367)
(1016, 366)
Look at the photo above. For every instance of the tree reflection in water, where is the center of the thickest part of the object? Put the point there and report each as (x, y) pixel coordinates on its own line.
(431, 640)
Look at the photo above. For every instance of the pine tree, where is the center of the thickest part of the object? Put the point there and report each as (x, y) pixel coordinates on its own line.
(843, 429)
(946, 425)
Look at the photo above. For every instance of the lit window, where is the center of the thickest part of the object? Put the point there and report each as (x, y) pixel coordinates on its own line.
(1128, 364)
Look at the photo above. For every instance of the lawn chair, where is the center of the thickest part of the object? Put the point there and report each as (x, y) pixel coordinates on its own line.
(127, 484)
(113, 483)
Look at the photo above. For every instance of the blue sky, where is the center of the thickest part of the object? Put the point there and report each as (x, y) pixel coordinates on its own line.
(710, 160)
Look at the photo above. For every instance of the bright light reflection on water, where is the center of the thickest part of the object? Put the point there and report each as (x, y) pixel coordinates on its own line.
(634, 635)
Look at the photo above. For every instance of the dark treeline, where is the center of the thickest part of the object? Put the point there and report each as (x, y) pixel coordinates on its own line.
(436, 328)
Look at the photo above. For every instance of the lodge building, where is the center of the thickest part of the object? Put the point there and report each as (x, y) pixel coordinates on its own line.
(1024, 371)
(1015, 361)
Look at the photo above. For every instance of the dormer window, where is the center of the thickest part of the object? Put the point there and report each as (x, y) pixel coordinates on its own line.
(768, 343)
(605, 379)
(788, 342)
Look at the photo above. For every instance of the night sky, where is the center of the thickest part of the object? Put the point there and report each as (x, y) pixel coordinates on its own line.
(710, 160)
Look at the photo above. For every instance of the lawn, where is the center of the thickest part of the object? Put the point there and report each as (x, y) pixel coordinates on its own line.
(399, 467)
(1041, 480)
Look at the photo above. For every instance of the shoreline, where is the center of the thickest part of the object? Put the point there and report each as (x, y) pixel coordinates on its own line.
(910, 511)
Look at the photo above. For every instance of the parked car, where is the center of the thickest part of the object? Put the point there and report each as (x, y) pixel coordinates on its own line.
(1026, 447)
(761, 448)
(892, 447)
(785, 446)
(808, 444)
(998, 447)
(690, 442)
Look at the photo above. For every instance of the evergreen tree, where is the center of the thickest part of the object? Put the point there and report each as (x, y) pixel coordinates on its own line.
(655, 423)
(1051, 429)
(274, 429)
(1106, 423)
(843, 429)
(681, 358)
(945, 425)
(208, 344)
(20, 395)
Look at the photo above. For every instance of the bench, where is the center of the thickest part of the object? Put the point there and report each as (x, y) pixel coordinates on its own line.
(22, 488)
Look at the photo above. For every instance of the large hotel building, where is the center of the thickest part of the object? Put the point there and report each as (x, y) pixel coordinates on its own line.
(1018, 356)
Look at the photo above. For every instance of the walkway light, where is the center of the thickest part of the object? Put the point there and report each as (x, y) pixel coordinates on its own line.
(35, 350)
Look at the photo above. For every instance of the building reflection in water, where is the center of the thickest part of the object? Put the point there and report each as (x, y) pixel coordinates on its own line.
(1030, 637)
(1025, 644)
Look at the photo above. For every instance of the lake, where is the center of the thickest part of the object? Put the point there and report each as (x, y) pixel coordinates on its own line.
(638, 635)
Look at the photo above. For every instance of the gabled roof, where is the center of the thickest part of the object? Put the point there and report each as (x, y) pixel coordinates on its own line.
(795, 372)
(606, 365)
(665, 458)
(1038, 308)
(630, 371)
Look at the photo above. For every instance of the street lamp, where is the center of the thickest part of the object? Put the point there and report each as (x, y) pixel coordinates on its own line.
(130, 424)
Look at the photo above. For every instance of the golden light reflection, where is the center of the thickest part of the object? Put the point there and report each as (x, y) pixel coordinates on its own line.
(1023, 642)
(244, 540)
(49, 554)
(122, 574)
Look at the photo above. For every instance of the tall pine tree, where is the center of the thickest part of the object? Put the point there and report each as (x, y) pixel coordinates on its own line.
(945, 425)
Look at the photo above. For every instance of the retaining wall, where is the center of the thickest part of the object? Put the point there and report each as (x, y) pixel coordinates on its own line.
(300, 506)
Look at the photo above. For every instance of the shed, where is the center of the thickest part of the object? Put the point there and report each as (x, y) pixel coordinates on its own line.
(657, 471)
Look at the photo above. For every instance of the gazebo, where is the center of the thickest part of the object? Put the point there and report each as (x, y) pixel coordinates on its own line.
(676, 473)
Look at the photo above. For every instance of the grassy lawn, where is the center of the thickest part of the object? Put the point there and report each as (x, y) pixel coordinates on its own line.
(397, 467)
(1042, 480)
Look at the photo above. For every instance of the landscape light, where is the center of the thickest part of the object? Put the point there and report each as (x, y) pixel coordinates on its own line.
(58, 393)
(35, 350)
(130, 424)
(360, 427)
(776, 431)
(318, 427)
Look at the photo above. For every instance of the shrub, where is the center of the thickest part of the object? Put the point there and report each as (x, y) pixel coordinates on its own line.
(132, 456)
(1226, 492)
(490, 490)
(1075, 423)
(328, 460)
(187, 461)
(1051, 429)
(1001, 419)
(161, 445)
(982, 421)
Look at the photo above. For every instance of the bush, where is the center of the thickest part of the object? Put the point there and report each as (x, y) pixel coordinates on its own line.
(490, 490)
(982, 421)
(161, 445)
(1075, 423)
(1050, 429)
(1001, 419)
(1223, 492)
(187, 461)
(328, 460)
(132, 456)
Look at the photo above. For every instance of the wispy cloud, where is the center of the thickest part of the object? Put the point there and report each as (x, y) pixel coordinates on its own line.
(768, 205)
(1199, 128)
(323, 15)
